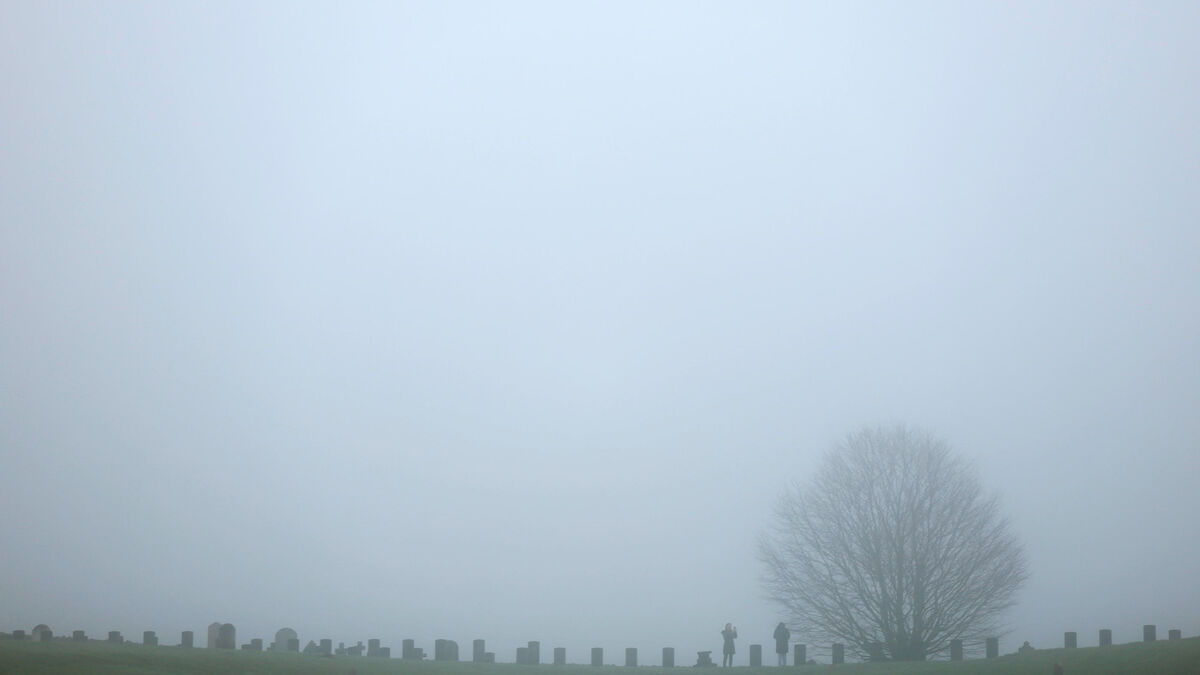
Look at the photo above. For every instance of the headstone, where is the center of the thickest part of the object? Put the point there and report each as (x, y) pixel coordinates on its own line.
(42, 633)
(668, 657)
(477, 651)
(406, 649)
(79, 636)
(293, 645)
(631, 657)
(597, 656)
(283, 638)
(214, 630)
(522, 655)
(1069, 640)
(489, 657)
(535, 652)
(1105, 637)
(18, 634)
(227, 637)
(356, 650)
(755, 656)
(326, 647)
(186, 639)
(439, 649)
(373, 647)
(1175, 634)
(1149, 632)
(256, 645)
(800, 654)
(956, 650)
(149, 639)
(114, 636)
(992, 647)
(876, 652)
(560, 656)
(704, 660)
(839, 653)
(453, 649)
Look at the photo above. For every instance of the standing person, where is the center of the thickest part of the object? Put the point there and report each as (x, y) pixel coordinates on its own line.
(729, 634)
(782, 635)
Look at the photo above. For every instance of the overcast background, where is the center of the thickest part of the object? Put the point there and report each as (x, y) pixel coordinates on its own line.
(512, 320)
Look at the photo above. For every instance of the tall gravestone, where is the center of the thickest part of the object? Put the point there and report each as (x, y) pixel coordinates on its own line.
(839, 653)
(18, 634)
(1070, 640)
(597, 656)
(800, 654)
(325, 648)
(1149, 632)
(522, 656)
(560, 656)
(1105, 637)
(227, 637)
(755, 656)
(187, 639)
(214, 630)
(478, 649)
(631, 657)
(535, 652)
(149, 638)
(992, 647)
(956, 653)
(79, 636)
(668, 660)
(439, 650)
(114, 637)
(283, 638)
(42, 633)
(373, 647)
(1175, 634)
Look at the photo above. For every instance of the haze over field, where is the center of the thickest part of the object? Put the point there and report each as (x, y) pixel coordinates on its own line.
(512, 320)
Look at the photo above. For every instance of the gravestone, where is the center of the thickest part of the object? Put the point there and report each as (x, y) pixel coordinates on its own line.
(800, 654)
(42, 633)
(439, 650)
(1149, 632)
(451, 650)
(373, 647)
(45, 636)
(631, 657)
(755, 656)
(704, 660)
(214, 630)
(311, 648)
(839, 653)
(535, 653)
(560, 656)
(227, 637)
(668, 657)
(522, 655)
(79, 636)
(1069, 640)
(256, 645)
(992, 647)
(186, 639)
(409, 650)
(956, 650)
(149, 639)
(1174, 634)
(1105, 637)
(597, 656)
(326, 647)
(356, 650)
(477, 651)
(489, 657)
(876, 652)
(114, 637)
(283, 638)
(18, 634)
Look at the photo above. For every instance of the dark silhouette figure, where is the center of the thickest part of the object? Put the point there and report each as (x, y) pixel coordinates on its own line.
(782, 635)
(729, 634)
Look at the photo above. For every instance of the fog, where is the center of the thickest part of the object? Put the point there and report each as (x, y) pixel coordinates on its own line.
(512, 320)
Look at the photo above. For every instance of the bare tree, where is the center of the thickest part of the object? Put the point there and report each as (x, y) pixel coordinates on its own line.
(892, 548)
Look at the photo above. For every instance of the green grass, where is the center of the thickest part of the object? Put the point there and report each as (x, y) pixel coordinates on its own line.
(1178, 657)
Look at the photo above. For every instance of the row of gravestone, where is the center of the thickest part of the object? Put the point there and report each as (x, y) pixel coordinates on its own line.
(223, 636)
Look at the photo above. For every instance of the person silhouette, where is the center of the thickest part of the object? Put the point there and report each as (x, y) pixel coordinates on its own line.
(729, 634)
(782, 635)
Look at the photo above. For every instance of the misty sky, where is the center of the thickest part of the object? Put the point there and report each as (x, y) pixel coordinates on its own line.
(512, 320)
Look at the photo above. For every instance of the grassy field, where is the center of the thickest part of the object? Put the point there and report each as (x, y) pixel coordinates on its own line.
(1159, 658)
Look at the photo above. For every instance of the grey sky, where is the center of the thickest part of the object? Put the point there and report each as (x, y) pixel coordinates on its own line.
(511, 320)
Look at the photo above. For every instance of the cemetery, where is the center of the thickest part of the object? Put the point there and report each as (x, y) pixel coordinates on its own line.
(42, 650)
